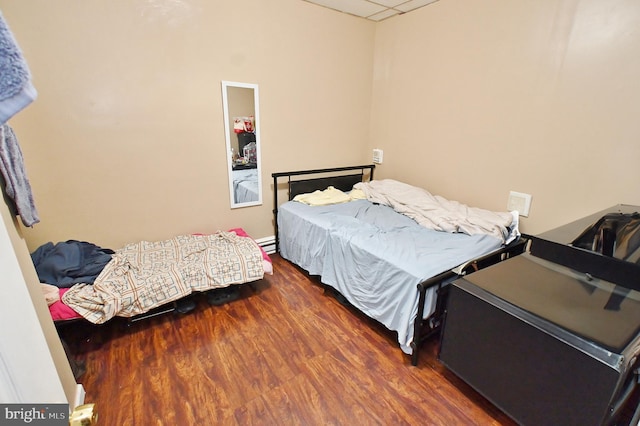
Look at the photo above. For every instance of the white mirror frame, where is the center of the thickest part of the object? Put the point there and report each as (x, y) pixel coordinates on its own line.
(238, 186)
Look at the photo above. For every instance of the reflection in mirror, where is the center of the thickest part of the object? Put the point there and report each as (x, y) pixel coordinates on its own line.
(242, 134)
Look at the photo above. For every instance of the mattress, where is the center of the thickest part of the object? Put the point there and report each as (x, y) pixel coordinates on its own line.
(375, 257)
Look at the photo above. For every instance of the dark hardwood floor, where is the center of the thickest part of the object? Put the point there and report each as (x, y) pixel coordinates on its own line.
(284, 353)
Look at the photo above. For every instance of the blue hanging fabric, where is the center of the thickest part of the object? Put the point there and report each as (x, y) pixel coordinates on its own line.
(16, 89)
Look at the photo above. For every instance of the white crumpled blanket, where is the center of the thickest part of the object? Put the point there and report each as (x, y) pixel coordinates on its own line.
(438, 213)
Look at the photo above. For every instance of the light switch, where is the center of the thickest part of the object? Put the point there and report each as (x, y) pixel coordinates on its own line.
(520, 202)
(377, 156)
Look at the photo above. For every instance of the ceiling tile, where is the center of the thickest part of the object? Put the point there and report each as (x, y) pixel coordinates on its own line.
(374, 10)
(383, 15)
(413, 4)
(362, 8)
(389, 3)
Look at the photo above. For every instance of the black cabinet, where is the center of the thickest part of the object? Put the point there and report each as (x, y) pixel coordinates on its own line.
(536, 341)
(552, 337)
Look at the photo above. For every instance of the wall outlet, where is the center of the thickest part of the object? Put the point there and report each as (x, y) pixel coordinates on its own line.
(520, 202)
(377, 156)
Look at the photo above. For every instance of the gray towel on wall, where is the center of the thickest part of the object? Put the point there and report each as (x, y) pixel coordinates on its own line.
(17, 186)
(16, 89)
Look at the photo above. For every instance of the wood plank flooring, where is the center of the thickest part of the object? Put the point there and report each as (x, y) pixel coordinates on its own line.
(284, 353)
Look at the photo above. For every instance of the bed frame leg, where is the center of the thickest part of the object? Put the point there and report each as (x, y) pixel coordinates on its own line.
(414, 354)
(417, 326)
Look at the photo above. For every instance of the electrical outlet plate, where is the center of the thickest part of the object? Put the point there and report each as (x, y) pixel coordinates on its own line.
(377, 156)
(519, 201)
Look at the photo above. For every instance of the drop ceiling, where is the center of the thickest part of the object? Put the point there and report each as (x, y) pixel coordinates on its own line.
(374, 10)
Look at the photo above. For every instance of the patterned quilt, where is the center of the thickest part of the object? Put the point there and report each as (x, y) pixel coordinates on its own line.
(145, 275)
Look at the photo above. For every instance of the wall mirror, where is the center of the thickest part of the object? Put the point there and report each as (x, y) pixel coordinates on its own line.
(242, 134)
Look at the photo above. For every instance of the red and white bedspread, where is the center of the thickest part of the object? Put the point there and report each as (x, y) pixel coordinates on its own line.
(145, 275)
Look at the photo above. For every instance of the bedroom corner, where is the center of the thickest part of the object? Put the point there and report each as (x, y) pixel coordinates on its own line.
(35, 373)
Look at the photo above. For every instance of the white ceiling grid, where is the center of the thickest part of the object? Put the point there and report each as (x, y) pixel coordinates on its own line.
(374, 10)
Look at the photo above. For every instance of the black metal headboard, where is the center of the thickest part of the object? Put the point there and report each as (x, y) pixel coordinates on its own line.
(300, 182)
(343, 183)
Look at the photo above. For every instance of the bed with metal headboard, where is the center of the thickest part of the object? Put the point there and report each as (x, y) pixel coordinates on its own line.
(298, 182)
(381, 262)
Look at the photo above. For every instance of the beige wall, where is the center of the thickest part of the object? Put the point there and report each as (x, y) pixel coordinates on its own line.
(468, 99)
(126, 139)
(472, 99)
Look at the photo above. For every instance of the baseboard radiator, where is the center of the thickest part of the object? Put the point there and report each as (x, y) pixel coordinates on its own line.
(268, 244)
